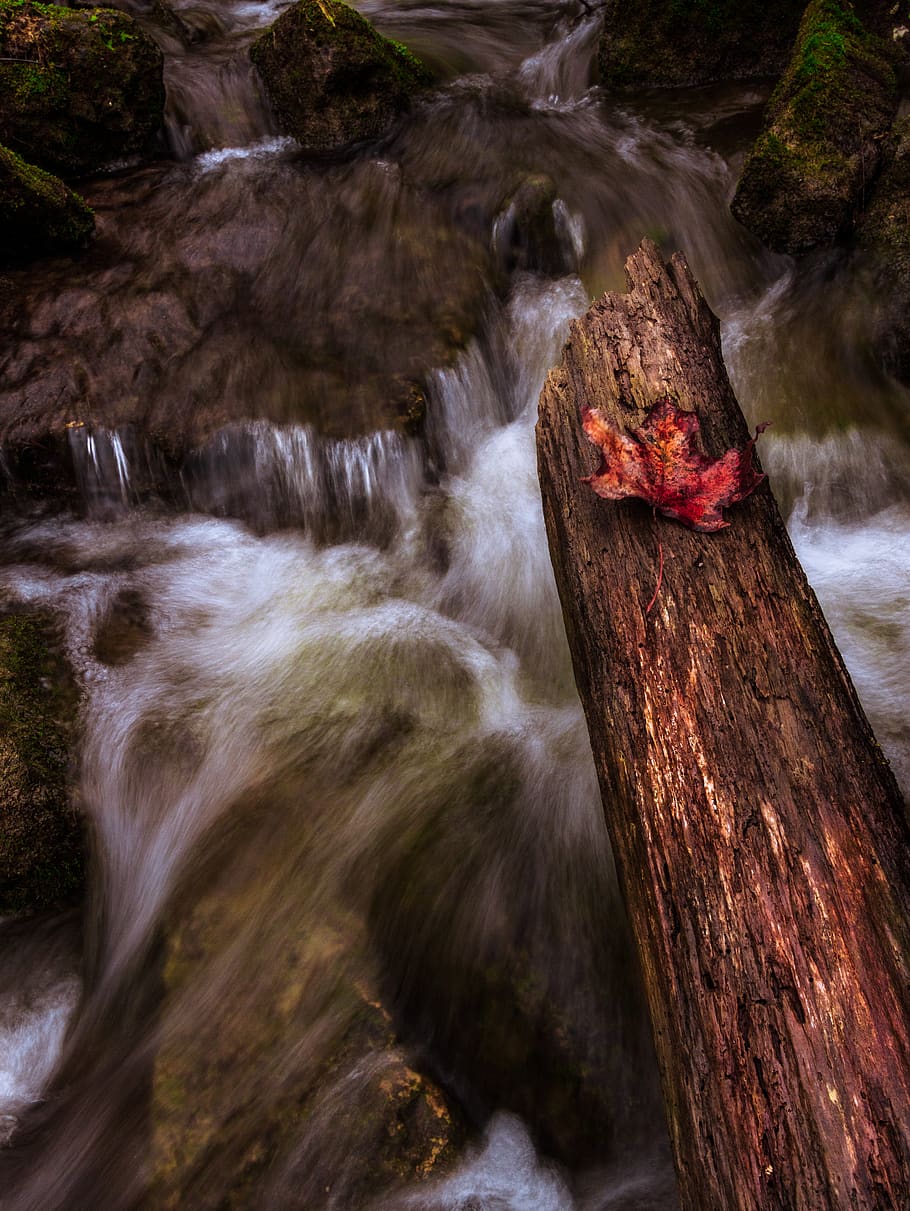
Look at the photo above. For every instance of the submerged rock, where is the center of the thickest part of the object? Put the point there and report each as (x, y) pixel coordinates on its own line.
(665, 44)
(41, 843)
(331, 78)
(279, 1081)
(38, 213)
(524, 231)
(79, 89)
(808, 173)
(883, 242)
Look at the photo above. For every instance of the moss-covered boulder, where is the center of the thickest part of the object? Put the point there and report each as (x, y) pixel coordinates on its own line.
(41, 843)
(79, 89)
(38, 213)
(810, 169)
(331, 78)
(668, 43)
(883, 243)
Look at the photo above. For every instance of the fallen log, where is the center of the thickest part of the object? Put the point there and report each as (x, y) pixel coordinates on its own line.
(758, 830)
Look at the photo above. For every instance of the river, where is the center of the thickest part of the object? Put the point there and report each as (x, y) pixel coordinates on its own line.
(329, 724)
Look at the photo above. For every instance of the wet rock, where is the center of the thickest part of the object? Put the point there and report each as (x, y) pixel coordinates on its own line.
(883, 242)
(256, 290)
(331, 78)
(41, 842)
(279, 1082)
(38, 213)
(524, 231)
(666, 44)
(810, 169)
(482, 987)
(79, 89)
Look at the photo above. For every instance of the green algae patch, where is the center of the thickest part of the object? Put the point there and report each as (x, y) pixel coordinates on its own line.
(331, 78)
(670, 43)
(39, 215)
(41, 843)
(810, 169)
(79, 88)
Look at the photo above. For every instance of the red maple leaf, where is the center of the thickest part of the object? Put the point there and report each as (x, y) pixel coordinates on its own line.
(661, 463)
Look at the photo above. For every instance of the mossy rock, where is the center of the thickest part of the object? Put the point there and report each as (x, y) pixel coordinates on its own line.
(38, 213)
(820, 149)
(883, 245)
(669, 43)
(79, 89)
(331, 78)
(41, 841)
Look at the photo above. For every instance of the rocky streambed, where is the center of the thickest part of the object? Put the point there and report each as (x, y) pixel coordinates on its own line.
(281, 651)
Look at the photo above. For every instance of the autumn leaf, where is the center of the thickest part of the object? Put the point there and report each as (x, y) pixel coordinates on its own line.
(661, 463)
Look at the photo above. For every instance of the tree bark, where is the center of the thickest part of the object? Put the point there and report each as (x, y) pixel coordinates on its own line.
(758, 829)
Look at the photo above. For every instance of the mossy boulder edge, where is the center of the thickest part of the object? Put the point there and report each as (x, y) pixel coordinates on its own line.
(79, 89)
(332, 80)
(38, 213)
(810, 168)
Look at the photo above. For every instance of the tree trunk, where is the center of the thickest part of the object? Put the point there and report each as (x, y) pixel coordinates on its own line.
(758, 830)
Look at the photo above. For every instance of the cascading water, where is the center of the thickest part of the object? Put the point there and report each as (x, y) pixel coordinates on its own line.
(329, 720)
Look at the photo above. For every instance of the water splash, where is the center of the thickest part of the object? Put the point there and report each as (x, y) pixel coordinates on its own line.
(505, 1174)
(558, 77)
(860, 570)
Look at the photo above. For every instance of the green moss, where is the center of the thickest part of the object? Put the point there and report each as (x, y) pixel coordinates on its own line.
(331, 77)
(41, 851)
(808, 171)
(78, 87)
(38, 213)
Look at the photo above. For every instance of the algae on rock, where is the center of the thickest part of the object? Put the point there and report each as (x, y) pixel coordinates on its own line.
(669, 43)
(41, 843)
(331, 78)
(38, 213)
(811, 167)
(79, 89)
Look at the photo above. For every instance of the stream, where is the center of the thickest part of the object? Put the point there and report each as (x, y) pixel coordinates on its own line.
(329, 723)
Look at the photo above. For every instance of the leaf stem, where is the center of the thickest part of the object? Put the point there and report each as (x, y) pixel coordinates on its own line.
(660, 569)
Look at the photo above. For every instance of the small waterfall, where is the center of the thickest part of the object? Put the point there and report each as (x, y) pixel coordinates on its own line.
(559, 76)
(844, 475)
(276, 476)
(102, 469)
(329, 729)
(268, 475)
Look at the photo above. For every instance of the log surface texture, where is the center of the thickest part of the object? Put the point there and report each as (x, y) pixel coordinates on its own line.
(758, 830)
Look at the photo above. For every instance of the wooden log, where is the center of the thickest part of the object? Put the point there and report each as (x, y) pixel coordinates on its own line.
(758, 830)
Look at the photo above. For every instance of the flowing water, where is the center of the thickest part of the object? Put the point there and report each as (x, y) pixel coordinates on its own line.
(331, 748)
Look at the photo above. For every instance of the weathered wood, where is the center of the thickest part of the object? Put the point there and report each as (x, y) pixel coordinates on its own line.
(758, 830)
